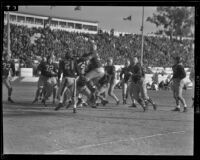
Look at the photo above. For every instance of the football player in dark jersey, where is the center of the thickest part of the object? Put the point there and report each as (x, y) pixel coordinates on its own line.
(111, 71)
(138, 85)
(124, 77)
(49, 71)
(68, 68)
(102, 88)
(94, 71)
(8, 73)
(41, 80)
(179, 75)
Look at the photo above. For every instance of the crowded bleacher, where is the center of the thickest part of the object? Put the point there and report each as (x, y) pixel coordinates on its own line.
(27, 44)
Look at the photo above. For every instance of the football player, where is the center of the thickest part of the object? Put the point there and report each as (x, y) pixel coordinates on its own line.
(178, 83)
(94, 71)
(41, 80)
(68, 68)
(124, 77)
(8, 73)
(111, 71)
(138, 85)
(49, 71)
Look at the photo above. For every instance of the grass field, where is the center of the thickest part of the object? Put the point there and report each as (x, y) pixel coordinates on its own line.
(111, 129)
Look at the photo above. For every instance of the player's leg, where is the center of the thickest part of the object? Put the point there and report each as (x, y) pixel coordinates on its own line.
(130, 90)
(111, 91)
(55, 88)
(66, 85)
(135, 93)
(40, 86)
(175, 95)
(7, 82)
(101, 90)
(47, 90)
(193, 87)
(144, 95)
(180, 94)
(124, 92)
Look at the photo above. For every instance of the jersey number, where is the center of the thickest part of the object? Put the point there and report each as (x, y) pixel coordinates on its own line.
(49, 68)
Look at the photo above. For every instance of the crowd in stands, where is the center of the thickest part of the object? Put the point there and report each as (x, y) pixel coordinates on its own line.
(158, 51)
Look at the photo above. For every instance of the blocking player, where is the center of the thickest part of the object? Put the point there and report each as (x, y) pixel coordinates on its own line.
(178, 83)
(124, 77)
(8, 73)
(49, 71)
(111, 71)
(102, 88)
(94, 71)
(68, 68)
(41, 80)
(138, 86)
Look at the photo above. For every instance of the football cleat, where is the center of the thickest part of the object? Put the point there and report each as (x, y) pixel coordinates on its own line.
(177, 109)
(74, 110)
(104, 102)
(145, 108)
(154, 107)
(118, 102)
(60, 105)
(133, 105)
(44, 102)
(185, 109)
(69, 104)
(35, 100)
(10, 100)
(80, 101)
(124, 101)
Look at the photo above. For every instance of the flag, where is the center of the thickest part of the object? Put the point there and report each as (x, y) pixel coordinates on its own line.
(127, 18)
(77, 8)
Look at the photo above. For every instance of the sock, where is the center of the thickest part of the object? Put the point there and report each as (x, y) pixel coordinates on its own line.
(9, 92)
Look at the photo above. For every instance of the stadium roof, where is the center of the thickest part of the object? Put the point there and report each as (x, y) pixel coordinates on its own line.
(65, 18)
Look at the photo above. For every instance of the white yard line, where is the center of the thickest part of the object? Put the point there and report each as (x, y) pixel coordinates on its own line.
(121, 140)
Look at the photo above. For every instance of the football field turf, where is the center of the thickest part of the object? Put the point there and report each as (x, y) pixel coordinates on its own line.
(111, 129)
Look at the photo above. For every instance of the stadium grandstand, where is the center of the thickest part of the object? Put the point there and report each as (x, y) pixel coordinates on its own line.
(67, 24)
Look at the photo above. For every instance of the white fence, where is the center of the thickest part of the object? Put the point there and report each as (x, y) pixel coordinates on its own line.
(26, 72)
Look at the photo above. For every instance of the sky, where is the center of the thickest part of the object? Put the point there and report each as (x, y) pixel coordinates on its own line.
(107, 16)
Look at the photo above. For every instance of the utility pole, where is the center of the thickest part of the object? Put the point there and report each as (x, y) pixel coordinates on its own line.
(8, 32)
(142, 28)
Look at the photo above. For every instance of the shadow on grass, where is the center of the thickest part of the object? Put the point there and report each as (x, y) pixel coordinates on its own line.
(67, 113)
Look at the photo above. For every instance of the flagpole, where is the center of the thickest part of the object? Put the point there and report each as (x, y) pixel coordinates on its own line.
(8, 25)
(142, 28)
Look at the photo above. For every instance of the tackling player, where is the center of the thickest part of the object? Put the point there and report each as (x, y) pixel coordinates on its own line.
(94, 71)
(8, 73)
(138, 86)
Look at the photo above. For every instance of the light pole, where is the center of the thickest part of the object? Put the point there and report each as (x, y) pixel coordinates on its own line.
(8, 32)
(142, 28)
